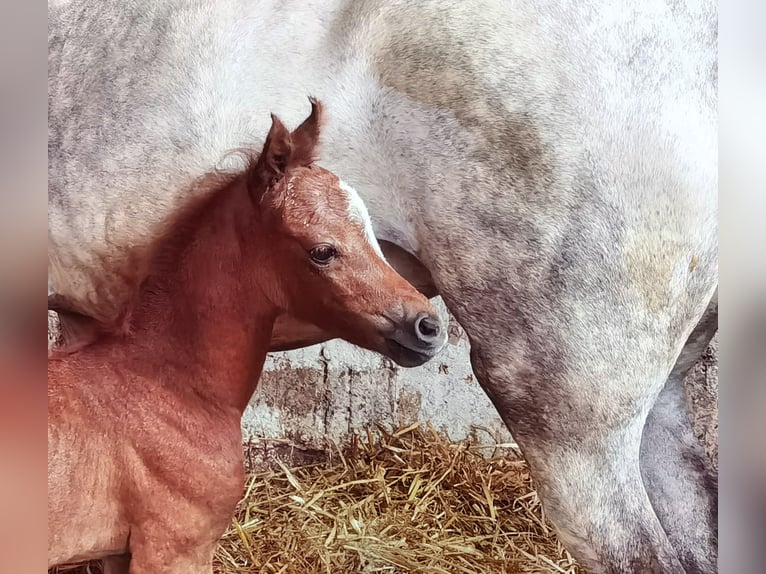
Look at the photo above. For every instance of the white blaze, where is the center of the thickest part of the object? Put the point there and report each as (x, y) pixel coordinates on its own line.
(358, 212)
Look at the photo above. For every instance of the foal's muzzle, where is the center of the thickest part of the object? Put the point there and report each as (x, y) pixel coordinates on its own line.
(415, 340)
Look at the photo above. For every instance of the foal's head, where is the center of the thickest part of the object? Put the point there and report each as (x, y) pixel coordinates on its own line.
(329, 267)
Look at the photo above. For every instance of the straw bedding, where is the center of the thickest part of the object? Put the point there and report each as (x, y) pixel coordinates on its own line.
(409, 501)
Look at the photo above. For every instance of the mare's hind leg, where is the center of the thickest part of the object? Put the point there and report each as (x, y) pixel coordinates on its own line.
(582, 444)
(574, 374)
(679, 478)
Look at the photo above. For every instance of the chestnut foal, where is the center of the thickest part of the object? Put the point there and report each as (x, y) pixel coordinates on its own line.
(144, 440)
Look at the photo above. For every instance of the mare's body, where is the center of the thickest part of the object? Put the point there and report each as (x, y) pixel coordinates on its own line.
(552, 164)
(144, 437)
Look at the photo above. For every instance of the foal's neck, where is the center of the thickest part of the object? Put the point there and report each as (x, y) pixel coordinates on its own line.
(203, 302)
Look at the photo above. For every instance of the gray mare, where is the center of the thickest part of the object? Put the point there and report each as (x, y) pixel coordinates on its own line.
(552, 163)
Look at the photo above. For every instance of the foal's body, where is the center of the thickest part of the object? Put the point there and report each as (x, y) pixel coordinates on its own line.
(160, 463)
(144, 430)
(552, 163)
(144, 436)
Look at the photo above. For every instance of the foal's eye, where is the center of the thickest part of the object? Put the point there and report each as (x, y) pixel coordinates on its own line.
(323, 254)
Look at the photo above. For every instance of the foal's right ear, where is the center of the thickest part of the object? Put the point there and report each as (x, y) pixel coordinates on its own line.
(273, 162)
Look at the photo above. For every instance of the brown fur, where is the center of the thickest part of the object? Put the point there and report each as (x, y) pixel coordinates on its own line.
(144, 426)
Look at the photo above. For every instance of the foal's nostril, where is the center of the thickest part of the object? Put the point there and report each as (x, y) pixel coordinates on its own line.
(427, 328)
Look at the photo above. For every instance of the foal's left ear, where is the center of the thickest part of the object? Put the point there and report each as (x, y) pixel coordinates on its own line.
(273, 162)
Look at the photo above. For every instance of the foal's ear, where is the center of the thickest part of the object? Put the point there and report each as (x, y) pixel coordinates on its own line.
(273, 162)
(306, 136)
(283, 151)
